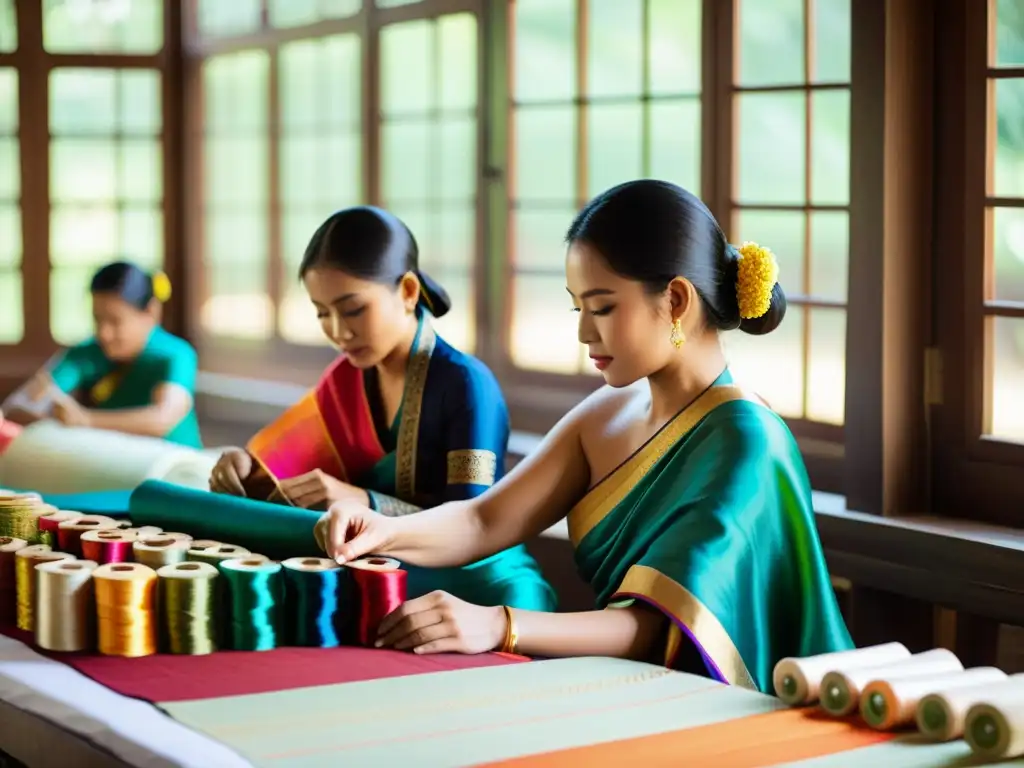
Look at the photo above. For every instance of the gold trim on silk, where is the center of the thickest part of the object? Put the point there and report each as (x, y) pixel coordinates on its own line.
(412, 407)
(389, 506)
(671, 596)
(472, 466)
(609, 492)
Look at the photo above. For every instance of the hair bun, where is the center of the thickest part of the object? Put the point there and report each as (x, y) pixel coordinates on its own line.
(432, 295)
(161, 287)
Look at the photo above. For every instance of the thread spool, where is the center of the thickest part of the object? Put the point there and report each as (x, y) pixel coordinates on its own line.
(25, 561)
(994, 726)
(797, 681)
(255, 593)
(216, 554)
(889, 704)
(19, 514)
(8, 589)
(65, 605)
(69, 533)
(840, 691)
(175, 535)
(941, 715)
(145, 532)
(379, 588)
(108, 546)
(49, 523)
(188, 603)
(160, 550)
(126, 621)
(312, 590)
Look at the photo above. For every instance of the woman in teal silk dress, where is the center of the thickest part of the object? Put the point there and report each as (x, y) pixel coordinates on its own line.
(400, 421)
(132, 376)
(688, 503)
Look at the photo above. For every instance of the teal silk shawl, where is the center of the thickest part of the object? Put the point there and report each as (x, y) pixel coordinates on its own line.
(711, 523)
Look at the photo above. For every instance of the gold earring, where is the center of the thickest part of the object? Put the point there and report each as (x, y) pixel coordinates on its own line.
(677, 337)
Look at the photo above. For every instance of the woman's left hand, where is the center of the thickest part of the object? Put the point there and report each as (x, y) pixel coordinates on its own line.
(318, 489)
(70, 413)
(441, 623)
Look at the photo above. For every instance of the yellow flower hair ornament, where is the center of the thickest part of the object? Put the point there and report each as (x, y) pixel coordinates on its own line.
(757, 274)
(161, 287)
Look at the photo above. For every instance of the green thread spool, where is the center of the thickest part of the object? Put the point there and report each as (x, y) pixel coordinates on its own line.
(312, 593)
(255, 595)
(188, 600)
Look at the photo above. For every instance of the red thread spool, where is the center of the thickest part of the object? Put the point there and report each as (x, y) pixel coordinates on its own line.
(8, 589)
(51, 522)
(380, 587)
(108, 546)
(69, 533)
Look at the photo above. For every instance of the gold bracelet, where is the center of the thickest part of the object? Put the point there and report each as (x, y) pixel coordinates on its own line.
(511, 635)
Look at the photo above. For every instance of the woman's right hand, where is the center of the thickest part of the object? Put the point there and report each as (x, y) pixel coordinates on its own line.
(234, 466)
(349, 530)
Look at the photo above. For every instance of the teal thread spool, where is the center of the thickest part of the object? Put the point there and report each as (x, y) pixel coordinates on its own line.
(312, 595)
(255, 594)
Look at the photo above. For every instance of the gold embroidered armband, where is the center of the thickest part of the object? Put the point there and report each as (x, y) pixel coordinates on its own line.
(472, 467)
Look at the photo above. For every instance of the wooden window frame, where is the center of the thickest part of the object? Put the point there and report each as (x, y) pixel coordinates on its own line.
(975, 475)
(296, 362)
(33, 64)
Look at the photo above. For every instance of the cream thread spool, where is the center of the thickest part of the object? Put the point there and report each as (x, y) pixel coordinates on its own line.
(994, 726)
(216, 554)
(65, 605)
(889, 704)
(797, 681)
(840, 691)
(941, 715)
(158, 551)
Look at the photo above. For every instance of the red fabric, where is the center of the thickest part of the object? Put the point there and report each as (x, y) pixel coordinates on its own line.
(167, 678)
(8, 432)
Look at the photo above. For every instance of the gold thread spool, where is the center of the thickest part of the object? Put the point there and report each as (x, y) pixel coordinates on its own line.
(25, 561)
(19, 515)
(69, 533)
(159, 551)
(8, 589)
(65, 605)
(217, 554)
(188, 607)
(126, 619)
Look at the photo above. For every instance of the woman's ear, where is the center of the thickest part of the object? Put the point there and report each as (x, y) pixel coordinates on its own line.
(409, 290)
(682, 297)
(155, 309)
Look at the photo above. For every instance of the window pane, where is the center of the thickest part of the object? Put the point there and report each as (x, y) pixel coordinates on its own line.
(545, 166)
(1009, 33)
(133, 26)
(142, 236)
(772, 145)
(406, 160)
(8, 100)
(545, 50)
(456, 156)
(830, 148)
(237, 303)
(217, 18)
(8, 27)
(12, 314)
(70, 304)
(826, 379)
(540, 237)
(452, 243)
(407, 68)
(771, 42)
(83, 236)
(295, 13)
(296, 320)
(674, 30)
(235, 92)
(614, 145)
(829, 254)
(831, 41)
(783, 233)
(457, 327)
(83, 101)
(1007, 377)
(395, 3)
(297, 227)
(141, 110)
(320, 83)
(544, 332)
(1008, 252)
(10, 235)
(141, 170)
(235, 170)
(10, 169)
(614, 53)
(457, 79)
(343, 156)
(1009, 160)
(675, 136)
(772, 365)
(83, 170)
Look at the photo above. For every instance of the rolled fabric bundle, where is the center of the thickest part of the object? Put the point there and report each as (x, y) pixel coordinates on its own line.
(841, 690)
(889, 704)
(940, 716)
(797, 681)
(994, 726)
